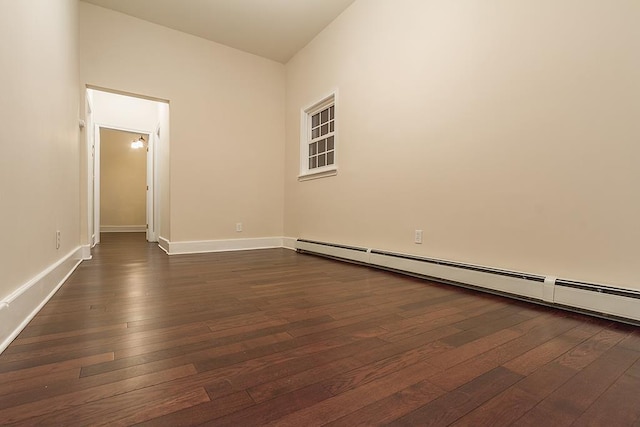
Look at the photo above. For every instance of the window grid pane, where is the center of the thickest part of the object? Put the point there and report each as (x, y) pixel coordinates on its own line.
(321, 144)
(322, 123)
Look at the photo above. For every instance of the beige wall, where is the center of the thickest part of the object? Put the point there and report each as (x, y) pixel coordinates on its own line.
(508, 131)
(227, 120)
(38, 138)
(123, 180)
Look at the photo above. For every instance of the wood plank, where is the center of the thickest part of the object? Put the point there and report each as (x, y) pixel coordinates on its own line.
(62, 402)
(429, 340)
(550, 350)
(452, 406)
(392, 407)
(467, 351)
(534, 332)
(483, 329)
(376, 370)
(618, 406)
(503, 409)
(133, 407)
(105, 341)
(247, 378)
(203, 412)
(634, 370)
(582, 355)
(283, 385)
(199, 351)
(21, 341)
(274, 409)
(44, 369)
(31, 384)
(343, 404)
(571, 400)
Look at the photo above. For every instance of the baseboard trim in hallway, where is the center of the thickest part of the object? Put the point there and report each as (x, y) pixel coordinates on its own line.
(123, 228)
(17, 310)
(204, 246)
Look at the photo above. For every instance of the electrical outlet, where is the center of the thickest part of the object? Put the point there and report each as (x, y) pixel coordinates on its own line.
(417, 237)
(57, 239)
(238, 227)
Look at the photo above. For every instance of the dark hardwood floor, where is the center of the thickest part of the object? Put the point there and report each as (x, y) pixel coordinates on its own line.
(274, 337)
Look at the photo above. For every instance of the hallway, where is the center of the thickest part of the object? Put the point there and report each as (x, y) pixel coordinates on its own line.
(253, 337)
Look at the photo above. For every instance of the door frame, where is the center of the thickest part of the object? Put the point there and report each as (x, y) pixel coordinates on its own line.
(90, 143)
(151, 198)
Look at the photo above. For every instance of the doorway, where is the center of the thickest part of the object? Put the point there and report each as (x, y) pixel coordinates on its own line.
(123, 181)
(127, 118)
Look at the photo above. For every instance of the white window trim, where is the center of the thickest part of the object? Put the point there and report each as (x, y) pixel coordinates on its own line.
(307, 174)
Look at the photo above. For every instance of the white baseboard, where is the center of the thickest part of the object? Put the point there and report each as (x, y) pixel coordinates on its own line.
(123, 228)
(17, 310)
(86, 252)
(596, 299)
(289, 243)
(201, 246)
(163, 244)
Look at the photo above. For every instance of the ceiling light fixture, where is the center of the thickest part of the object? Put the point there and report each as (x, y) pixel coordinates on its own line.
(137, 143)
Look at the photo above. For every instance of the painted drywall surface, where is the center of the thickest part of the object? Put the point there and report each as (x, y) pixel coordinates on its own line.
(227, 120)
(507, 131)
(124, 112)
(39, 137)
(123, 180)
(163, 151)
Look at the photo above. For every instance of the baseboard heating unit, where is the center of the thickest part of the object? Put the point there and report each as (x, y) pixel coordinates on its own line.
(599, 300)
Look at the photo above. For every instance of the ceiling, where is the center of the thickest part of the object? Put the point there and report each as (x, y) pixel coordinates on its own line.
(274, 29)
